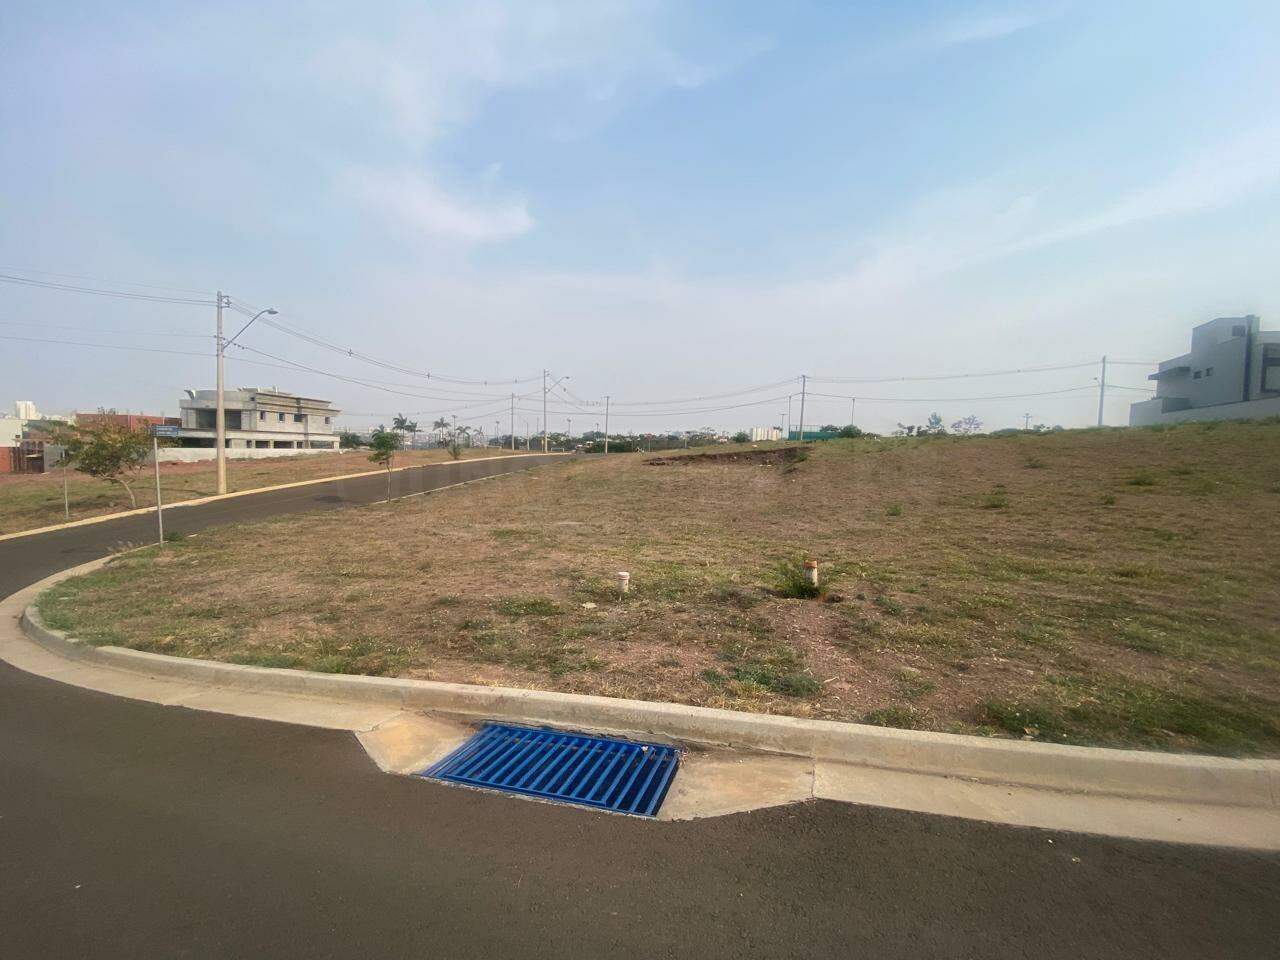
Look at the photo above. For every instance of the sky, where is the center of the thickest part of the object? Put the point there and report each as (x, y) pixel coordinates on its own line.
(660, 202)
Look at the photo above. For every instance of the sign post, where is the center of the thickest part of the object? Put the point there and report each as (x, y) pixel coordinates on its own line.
(159, 430)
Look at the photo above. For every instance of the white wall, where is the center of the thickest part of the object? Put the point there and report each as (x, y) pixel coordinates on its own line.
(201, 454)
(1147, 412)
(10, 431)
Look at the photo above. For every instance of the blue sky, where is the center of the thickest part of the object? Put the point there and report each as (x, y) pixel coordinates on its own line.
(658, 199)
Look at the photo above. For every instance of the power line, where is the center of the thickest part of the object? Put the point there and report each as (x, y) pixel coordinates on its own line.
(117, 283)
(373, 385)
(957, 376)
(119, 294)
(133, 333)
(292, 330)
(107, 346)
(1010, 396)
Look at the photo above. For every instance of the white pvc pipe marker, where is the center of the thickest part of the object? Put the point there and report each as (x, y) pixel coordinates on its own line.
(624, 582)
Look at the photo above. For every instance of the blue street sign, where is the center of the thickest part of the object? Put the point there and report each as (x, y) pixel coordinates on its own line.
(164, 430)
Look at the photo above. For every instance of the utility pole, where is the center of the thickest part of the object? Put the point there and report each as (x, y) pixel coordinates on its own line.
(1102, 389)
(496, 426)
(569, 438)
(606, 423)
(544, 410)
(220, 416)
(789, 396)
(803, 387)
(513, 423)
(1026, 417)
(853, 403)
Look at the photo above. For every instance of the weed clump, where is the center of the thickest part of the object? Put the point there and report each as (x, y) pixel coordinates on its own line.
(894, 510)
(789, 580)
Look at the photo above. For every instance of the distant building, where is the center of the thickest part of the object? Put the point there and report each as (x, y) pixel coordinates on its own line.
(130, 421)
(1231, 373)
(25, 410)
(258, 419)
(765, 433)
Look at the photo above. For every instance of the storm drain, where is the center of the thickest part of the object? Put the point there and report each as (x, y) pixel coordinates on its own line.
(618, 775)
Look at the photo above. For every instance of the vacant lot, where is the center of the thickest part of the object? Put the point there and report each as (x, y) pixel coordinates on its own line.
(28, 501)
(1110, 586)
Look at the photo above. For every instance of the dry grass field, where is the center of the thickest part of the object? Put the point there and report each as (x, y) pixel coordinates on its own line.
(1113, 586)
(30, 501)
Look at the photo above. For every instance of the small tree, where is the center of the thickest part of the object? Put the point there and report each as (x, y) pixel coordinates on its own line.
(383, 446)
(741, 437)
(348, 440)
(107, 451)
(967, 426)
(849, 433)
(934, 425)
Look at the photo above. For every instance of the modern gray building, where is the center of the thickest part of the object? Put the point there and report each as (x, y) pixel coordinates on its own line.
(1231, 373)
(259, 419)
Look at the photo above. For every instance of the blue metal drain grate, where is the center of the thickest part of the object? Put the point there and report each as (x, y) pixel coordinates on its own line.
(617, 775)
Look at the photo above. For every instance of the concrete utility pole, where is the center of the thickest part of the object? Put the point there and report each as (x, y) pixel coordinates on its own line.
(803, 388)
(1026, 417)
(853, 403)
(1102, 389)
(606, 423)
(544, 411)
(789, 396)
(513, 422)
(220, 416)
(569, 438)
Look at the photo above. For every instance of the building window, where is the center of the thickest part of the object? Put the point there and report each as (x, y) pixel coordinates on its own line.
(262, 415)
(1197, 375)
(280, 417)
(1208, 371)
(327, 421)
(297, 418)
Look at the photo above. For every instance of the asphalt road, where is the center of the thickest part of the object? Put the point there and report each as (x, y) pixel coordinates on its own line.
(129, 829)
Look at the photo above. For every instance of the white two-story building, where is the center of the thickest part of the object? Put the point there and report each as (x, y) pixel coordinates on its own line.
(1231, 373)
(267, 422)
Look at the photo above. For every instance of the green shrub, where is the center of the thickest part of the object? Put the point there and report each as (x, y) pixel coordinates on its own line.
(789, 580)
(894, 510)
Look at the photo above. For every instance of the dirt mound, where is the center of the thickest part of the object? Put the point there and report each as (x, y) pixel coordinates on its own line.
(767, 458)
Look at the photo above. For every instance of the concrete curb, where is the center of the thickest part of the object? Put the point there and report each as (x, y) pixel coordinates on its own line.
(1130, 774)
(197, 501)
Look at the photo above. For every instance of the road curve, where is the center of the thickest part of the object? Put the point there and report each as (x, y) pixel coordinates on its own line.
(130, 829)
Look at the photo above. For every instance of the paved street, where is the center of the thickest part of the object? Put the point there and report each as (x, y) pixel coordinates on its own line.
(129, 829)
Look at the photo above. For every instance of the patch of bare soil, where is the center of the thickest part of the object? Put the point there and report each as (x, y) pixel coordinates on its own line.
(767, 458)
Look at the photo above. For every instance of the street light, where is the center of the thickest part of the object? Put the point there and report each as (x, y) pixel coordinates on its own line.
(220, 416)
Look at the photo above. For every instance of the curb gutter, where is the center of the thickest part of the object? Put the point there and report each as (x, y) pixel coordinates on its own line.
(1131, 774)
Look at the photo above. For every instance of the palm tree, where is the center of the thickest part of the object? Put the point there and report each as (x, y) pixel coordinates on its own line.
(441, 425)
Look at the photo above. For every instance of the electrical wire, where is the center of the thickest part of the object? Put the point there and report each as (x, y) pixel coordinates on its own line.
(108, 346)
(293, 330)
(957, 376)
(133, 333)
(115, 283)
(1011, 396)
(119, 294)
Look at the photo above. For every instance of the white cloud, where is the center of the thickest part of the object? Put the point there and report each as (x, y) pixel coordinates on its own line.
(428, 212)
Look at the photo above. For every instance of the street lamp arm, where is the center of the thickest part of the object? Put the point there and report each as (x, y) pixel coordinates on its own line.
(269, 310)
